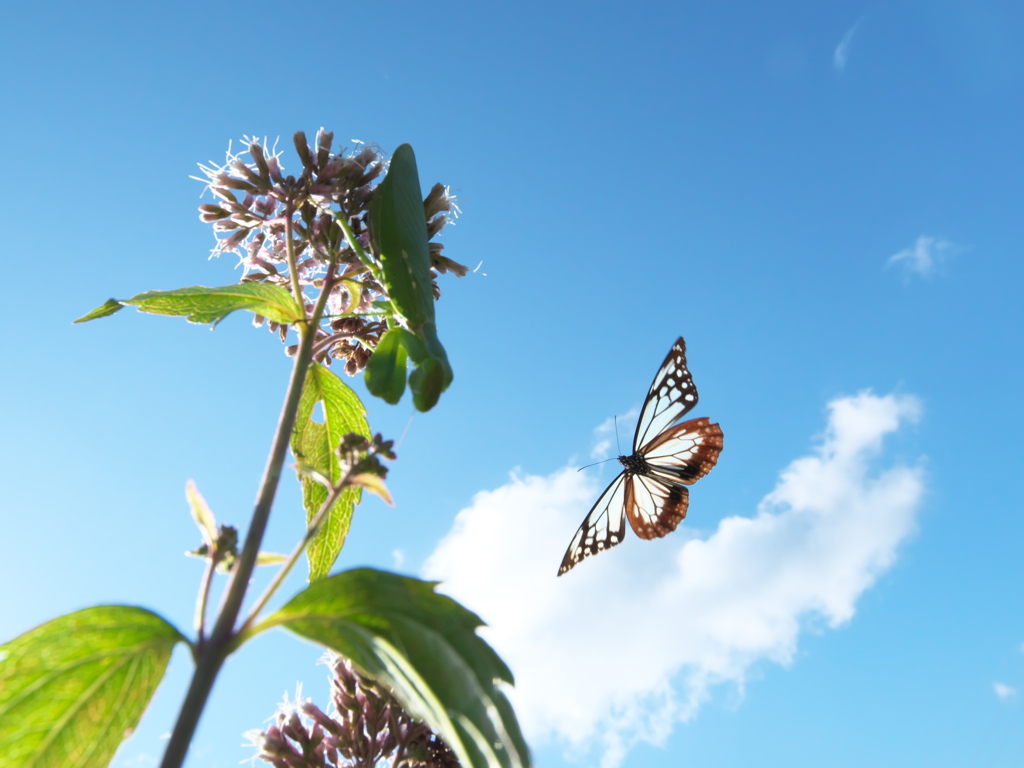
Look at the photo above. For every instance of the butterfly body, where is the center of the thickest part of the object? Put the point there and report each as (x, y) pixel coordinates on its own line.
(635, 464)
(651, 490)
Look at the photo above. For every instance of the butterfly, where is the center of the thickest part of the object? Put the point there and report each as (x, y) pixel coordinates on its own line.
(651, 489)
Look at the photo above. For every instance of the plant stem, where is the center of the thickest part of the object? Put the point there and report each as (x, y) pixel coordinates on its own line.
(212, 655)
(311, 530)
(204, 597)
(293, 270)
(353, 243)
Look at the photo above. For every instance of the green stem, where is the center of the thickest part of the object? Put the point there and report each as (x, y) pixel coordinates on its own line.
(204, 598)
(212, 655)
(243, 631)
(353, 243)
(293, 272)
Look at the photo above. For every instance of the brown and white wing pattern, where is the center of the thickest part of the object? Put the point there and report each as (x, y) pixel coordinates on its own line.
(602, 528)
(671, 396)
(656, 500)
(655, 507)
(651, 491)
(686, 452)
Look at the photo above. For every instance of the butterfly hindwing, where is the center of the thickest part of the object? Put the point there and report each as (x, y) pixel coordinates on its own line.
(656, 502)
(671, 396)
(602, 528)
(655, 507)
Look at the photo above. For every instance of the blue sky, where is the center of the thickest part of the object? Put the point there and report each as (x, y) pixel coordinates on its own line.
(824, 199)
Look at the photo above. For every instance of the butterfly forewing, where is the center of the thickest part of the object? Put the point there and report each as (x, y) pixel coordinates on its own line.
(686, 452)
(671, 396)
(603, 527)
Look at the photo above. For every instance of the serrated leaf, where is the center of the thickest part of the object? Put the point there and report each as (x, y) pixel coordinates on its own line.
(386, 370)
(107, 308)
(398, 229)
(199, 304)
(73, 688)
(315, 446)
(424, 647)
(201, 513)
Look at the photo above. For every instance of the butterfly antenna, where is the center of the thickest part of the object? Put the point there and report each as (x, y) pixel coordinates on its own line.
(594, 464)
(619, 447)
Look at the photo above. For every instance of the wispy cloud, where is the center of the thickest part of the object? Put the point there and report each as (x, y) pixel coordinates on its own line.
(1003, 691)
(925, 256)
(842, 51)
(632, 642)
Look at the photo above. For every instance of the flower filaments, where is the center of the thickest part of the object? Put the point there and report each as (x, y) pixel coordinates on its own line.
(364, 726)
(287, 230)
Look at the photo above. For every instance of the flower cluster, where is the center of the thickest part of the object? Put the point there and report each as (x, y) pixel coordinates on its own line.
(367, 727)
(357, 455)
(290, 227)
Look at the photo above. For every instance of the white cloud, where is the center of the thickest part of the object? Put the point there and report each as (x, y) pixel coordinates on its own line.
(1003, 691)
(924, 256)
(842, 51)
(631, 642)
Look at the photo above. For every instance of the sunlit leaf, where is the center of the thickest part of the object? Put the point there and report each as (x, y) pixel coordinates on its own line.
(211, 305)
(425, 648)
(374, 484)
(355, 293)
(315, 447)
(72, 689)
(201, 513)
(109, 307)
(270, 558)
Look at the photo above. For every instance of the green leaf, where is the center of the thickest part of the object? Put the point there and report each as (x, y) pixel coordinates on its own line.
(374, 484)
(72, 689)
(386, 369)
(109, 307)
(315, 446)
(433, 374)
(433, 346)
(424, 647)
(427, 384)
(211, 305)
(201, 513)
(398, 229)
(270, 558)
